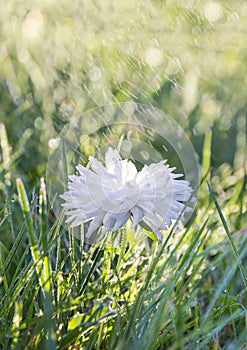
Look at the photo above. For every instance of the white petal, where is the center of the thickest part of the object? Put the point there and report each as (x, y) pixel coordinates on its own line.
(95, 224)
(128, 171)
(121, 221)
(137, 215)
(154, 222)
(97, 167)
(146, 206)
(109, 221)
(111, 157)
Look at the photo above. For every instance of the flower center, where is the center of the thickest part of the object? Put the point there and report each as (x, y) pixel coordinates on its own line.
(131, 192)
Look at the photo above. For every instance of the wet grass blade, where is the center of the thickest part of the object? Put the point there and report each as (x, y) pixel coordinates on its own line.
(229, 235)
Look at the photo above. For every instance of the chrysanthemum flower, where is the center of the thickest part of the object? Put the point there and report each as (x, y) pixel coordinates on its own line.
(109, 195)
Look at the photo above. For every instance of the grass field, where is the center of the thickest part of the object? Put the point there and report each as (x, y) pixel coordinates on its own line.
(188, 59)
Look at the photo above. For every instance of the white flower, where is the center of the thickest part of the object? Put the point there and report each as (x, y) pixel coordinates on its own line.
(109, 195)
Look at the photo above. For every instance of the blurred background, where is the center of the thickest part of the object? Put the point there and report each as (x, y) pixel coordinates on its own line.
(185, 57)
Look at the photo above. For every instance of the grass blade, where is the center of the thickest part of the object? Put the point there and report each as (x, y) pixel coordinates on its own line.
(229, 235)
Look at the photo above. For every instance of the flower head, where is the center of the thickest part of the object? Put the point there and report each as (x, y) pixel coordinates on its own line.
(109, 195)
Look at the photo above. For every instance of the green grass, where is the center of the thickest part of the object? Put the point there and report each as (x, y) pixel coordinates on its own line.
(56, 293)
(188, 292)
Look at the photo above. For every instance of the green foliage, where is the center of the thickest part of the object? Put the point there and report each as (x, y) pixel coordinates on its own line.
(187, 58)
(57, 293)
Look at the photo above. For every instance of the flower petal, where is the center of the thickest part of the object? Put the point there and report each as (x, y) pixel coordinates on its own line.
(97, 167)
(111, 157)
(95, 224)
(108, 195)
(137, 216)
(121, 221)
